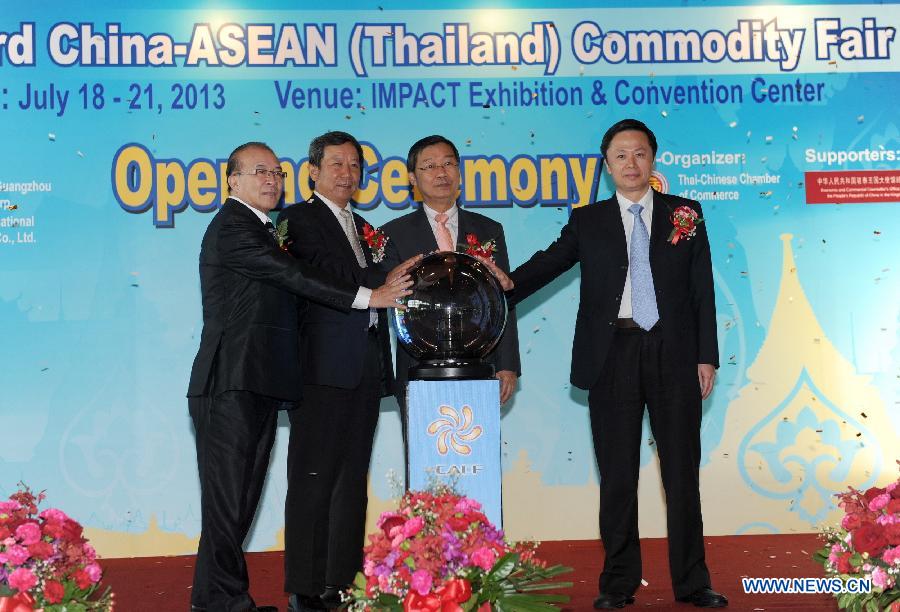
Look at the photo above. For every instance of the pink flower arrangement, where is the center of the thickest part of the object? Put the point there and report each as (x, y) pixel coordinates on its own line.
(867, 546)
(45, 561)
(438, 552)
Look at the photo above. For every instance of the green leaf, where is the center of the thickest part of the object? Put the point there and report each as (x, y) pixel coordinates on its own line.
(360, 580)
(524, 603)
(542, 586)
(503, 567)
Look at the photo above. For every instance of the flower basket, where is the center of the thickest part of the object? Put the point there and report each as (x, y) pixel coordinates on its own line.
(438, 552)
(46, 564)
(866, 547)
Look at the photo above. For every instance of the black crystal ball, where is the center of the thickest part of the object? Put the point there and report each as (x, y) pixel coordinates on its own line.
(454, 317)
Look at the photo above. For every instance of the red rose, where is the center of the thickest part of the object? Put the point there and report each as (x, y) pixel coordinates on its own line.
(4, 532)
(869, 538)
(53, 591)
(41, 550)
(843, 563)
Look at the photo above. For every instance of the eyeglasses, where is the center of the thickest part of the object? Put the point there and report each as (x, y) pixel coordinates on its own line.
(263, 172)
(431, 167)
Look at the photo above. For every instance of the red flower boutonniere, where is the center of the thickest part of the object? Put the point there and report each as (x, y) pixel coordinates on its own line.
(484, 249)
(685, 219)
(376, 240)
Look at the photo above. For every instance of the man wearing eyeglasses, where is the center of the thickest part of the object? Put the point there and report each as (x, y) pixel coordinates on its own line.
(247, 366)
(441, 225)
(347, 370)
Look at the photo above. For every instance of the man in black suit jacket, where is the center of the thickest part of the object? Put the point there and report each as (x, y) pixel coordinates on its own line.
(347, 370)
(645, 335)
(247, 366)
(433, 167)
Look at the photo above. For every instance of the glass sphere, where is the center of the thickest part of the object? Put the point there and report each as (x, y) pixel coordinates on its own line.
(456, 312)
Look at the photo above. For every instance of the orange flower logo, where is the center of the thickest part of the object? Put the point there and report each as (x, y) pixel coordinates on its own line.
(453, 430)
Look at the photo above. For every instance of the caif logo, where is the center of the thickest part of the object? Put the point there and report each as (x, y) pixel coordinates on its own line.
(453, 431)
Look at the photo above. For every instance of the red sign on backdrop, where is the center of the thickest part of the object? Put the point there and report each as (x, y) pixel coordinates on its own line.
(853, 187)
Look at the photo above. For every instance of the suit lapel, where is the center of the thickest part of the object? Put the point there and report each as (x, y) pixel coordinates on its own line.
(422, 228)
(366, 249)
(611, 216)
(662, 227)
(333, 229)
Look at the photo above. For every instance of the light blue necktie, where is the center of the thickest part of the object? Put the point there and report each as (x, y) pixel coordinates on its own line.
(643, 296)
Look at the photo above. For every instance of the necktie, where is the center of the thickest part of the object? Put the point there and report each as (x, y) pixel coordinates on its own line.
(270, 227)
(643, 295)
(350, 231)
(444, 239)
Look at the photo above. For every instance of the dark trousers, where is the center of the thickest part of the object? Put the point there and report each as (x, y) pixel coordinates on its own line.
(637, 374)
(328, 462)
(235, 431)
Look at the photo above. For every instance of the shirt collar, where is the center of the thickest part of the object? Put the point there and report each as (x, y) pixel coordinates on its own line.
(451, 213)
(334, 207)
(259, 214)
(645, 200)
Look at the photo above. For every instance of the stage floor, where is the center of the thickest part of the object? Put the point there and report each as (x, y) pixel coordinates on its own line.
(161, 584)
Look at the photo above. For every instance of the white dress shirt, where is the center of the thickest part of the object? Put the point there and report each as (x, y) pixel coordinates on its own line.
(628, 221)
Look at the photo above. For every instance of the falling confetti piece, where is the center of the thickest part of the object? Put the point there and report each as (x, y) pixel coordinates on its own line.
(514, 68)
(44, 369)
(79, 154)
(877, 233)
(664, 113)
(769, 138)
(733, 124)
(581, 70)
(749, 133)
(765, 194)
(12, 207)
(347, 117)
(643, 582)
(485, 105)
(860, 118)
(863, 415)
(52, 137)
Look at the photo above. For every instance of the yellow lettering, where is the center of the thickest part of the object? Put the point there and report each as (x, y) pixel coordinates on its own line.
(523, 190)
(169, 189)
(134, 162)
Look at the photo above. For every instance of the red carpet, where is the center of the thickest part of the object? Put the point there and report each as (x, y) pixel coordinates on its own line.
(163, 583)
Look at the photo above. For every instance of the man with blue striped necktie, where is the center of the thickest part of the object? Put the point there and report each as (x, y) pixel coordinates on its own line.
(645, 337)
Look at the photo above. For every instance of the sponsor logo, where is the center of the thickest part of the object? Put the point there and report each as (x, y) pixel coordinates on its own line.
(454, 429)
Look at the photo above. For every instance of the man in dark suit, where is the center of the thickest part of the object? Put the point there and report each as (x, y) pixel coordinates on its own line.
(347, 370)
(247, 366)
(645, 335)
(433, 167)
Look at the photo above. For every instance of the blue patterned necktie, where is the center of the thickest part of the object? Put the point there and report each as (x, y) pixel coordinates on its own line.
(643, 296)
